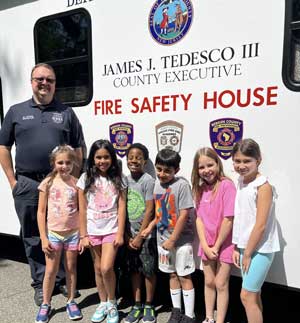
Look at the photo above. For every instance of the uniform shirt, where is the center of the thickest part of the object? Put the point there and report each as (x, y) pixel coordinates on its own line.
(37, 131)
(62, 213)
(102, 206)
(169, 199)
(138, 193)
(245, 217)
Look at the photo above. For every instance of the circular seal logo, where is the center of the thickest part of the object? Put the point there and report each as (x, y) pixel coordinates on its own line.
(226, 137)
(121, 138)
(170, 20)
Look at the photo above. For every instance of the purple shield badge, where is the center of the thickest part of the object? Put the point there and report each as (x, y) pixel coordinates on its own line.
(223, 134)
(121, 136)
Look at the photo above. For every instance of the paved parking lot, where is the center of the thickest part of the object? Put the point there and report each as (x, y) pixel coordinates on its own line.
(17, 305)
(16, 298)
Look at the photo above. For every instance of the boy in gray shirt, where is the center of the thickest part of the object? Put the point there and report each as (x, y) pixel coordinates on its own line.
(141, 254)
(174, 220)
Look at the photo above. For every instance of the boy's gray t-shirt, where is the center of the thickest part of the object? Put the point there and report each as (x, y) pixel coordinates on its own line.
(169, 200)
(138, 193)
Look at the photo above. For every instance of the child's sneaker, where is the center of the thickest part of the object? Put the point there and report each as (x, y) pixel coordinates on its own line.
(73, 311)
(175, 315)
(112, 314)
(187, 319)
(207, 320)
(43, 314)
(100, 313)
(134, 315)
(149, 314)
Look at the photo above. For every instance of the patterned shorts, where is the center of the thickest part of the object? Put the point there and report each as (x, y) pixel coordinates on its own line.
(69, 242)
(143, 260)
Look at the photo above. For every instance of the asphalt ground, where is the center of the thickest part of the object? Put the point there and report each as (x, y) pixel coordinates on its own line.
(17, 305)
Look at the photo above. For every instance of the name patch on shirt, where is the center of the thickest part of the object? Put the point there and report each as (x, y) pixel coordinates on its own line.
(27, 117)
(57, 117)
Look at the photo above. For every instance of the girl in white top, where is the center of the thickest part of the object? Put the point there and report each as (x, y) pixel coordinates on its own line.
(102, 211)
(255, 228)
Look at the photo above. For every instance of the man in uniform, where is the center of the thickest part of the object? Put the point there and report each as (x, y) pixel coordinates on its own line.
(36, 126)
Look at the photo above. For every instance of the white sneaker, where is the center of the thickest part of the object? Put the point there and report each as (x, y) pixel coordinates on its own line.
(112, 314)
(100, 313)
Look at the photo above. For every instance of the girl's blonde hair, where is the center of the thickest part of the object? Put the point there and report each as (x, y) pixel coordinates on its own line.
(62, 149)
(198, 183)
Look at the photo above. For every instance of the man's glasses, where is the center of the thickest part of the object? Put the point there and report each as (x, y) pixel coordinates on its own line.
(41, 80)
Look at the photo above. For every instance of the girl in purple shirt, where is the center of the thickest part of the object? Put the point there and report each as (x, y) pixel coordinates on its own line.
(214, 196)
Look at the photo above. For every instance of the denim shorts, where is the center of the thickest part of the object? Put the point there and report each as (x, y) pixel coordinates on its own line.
(59, 242)
(259, 267)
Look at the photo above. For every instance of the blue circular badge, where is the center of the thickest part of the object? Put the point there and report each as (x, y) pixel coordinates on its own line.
(170, 20)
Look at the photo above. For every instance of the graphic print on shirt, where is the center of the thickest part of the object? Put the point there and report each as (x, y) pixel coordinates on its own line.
(56, 198)
(165, 210)
(63, 198)
(103, 200)
(71, 205)
(135, 205)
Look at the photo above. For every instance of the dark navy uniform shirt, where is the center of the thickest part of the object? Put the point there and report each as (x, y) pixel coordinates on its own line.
(37, 131)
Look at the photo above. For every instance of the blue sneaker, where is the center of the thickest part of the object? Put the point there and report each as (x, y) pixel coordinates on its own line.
(112, 314)
(43, 314)
(100, 313)
(149, 314)
(134, 315)
(73, 311)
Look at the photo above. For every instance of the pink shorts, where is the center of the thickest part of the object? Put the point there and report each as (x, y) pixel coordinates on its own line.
(98, 240)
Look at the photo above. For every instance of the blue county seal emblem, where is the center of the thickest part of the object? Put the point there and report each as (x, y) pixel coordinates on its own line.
(170, 20)
(121, 136)
(223, 134)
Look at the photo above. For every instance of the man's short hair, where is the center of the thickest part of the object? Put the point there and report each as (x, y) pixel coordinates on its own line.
(168, 157)
(49, 67)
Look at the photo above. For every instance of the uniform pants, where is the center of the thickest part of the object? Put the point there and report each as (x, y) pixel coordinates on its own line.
(25, 195)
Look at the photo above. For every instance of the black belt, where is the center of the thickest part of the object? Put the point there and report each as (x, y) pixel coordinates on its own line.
(35, 176)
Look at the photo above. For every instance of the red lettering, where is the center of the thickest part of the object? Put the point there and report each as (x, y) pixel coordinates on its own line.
(175, 97)
(105, 107)
(271, 95)
(96, 107)
(146, 105)
(135, 105)
(165, 103)
(248, 98)
(242, 98)
(214, 100)
(228, 105)
(258, 96)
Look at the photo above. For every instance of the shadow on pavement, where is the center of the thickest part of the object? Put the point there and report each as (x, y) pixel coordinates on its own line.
(280, 303)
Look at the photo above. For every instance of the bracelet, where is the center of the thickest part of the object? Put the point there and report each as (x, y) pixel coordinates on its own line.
(84, 236)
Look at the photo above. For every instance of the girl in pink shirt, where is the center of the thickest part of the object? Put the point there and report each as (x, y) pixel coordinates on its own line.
(214, 196)
(58, 222)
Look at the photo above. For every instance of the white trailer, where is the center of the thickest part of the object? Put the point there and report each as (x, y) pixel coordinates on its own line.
(170, 73)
